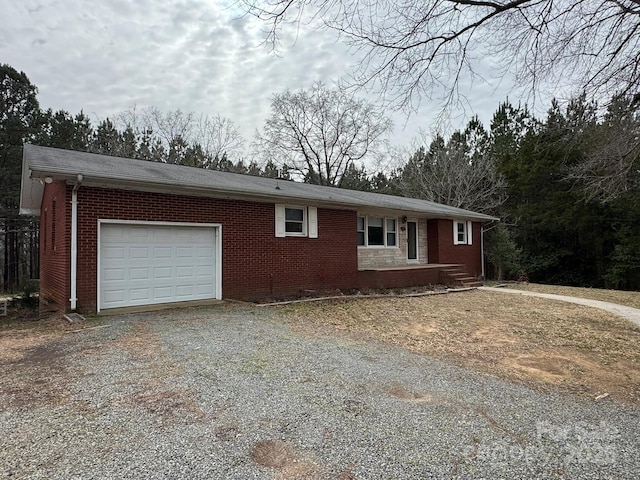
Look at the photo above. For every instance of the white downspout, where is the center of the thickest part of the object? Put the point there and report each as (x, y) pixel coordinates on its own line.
(482, 250)
(74, 243)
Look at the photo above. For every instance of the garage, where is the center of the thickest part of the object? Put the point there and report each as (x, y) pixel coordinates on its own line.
(151, 263)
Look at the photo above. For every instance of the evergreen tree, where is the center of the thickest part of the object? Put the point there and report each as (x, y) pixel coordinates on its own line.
(19, 118)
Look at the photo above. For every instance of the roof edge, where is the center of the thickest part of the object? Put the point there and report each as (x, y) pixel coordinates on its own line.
(35, 170)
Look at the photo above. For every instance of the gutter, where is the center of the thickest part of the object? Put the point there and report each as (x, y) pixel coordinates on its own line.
(74, 242)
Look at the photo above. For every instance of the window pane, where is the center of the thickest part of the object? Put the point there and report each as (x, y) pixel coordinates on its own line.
(360, 224)
(391, 239)
(375, 234)
(293, 227)
(375, 222)
(360, 238)
(391, 225)
(294, 214)
(462, 232)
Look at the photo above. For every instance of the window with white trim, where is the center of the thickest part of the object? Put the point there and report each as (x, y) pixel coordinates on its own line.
(391, 232)
(377, 232)
(361, 231)
(462, 232)
(295, 221)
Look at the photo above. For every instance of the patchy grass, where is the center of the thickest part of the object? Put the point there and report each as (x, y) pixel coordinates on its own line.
(140, 343)
(538, 342)
(20, 313)
(22, 332)
(33, 365)
(630, 299)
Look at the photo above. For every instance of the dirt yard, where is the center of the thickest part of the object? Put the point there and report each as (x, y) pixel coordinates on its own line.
(541, 343)
(534, 341)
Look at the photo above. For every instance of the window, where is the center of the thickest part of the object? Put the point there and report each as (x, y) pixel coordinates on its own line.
(361, 231)
(391, 232)
(292, 221)
(462, 233)
(377, 232)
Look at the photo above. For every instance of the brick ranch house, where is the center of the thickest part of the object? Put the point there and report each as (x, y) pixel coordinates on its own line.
(117, 232)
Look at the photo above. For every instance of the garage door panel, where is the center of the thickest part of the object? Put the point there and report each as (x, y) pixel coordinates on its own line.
(113, 234)
(192, 236)
(163, 293)
(141, 273)
(204, 252)
(115, 274)
(136, 294)
(162, 252)
(139, 253)
(146, 264)
(185, 252)
(136, 233)
(162, 273)
(162, 235)
(184, 290)
(114, 252)
(204, 271)
(205, 289)
(114, 296)
(182, 272)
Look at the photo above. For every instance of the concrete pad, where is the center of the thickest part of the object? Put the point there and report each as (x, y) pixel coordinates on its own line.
(159, 306)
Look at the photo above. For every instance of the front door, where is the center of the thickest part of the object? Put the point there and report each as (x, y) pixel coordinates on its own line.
(412, 241)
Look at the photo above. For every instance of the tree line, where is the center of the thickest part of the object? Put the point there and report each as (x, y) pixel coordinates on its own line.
(566, 187)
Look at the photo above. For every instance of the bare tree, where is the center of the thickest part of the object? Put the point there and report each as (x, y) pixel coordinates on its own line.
(422, 48)
(212, 136)
(169, 126)
(218, 136)
(321, 133)
(460, 172)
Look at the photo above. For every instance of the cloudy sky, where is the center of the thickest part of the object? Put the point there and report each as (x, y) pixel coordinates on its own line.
(199, 56)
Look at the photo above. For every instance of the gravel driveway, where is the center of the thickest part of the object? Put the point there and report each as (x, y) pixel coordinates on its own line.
(231, 392)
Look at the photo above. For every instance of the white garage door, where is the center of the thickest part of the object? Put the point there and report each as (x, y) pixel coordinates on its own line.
(143, 264)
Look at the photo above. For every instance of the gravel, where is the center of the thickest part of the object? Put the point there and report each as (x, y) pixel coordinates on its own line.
(232, 392)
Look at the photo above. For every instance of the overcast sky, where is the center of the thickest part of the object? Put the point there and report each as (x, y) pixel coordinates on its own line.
(106, 56)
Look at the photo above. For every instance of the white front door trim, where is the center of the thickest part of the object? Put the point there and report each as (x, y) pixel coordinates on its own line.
(417, 243)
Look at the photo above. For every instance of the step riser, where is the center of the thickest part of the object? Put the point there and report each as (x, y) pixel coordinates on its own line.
(456, 276)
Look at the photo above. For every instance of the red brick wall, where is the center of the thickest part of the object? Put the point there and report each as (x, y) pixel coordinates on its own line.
(442, 249)
(55, 232)
(433, 247)
(255, 264)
